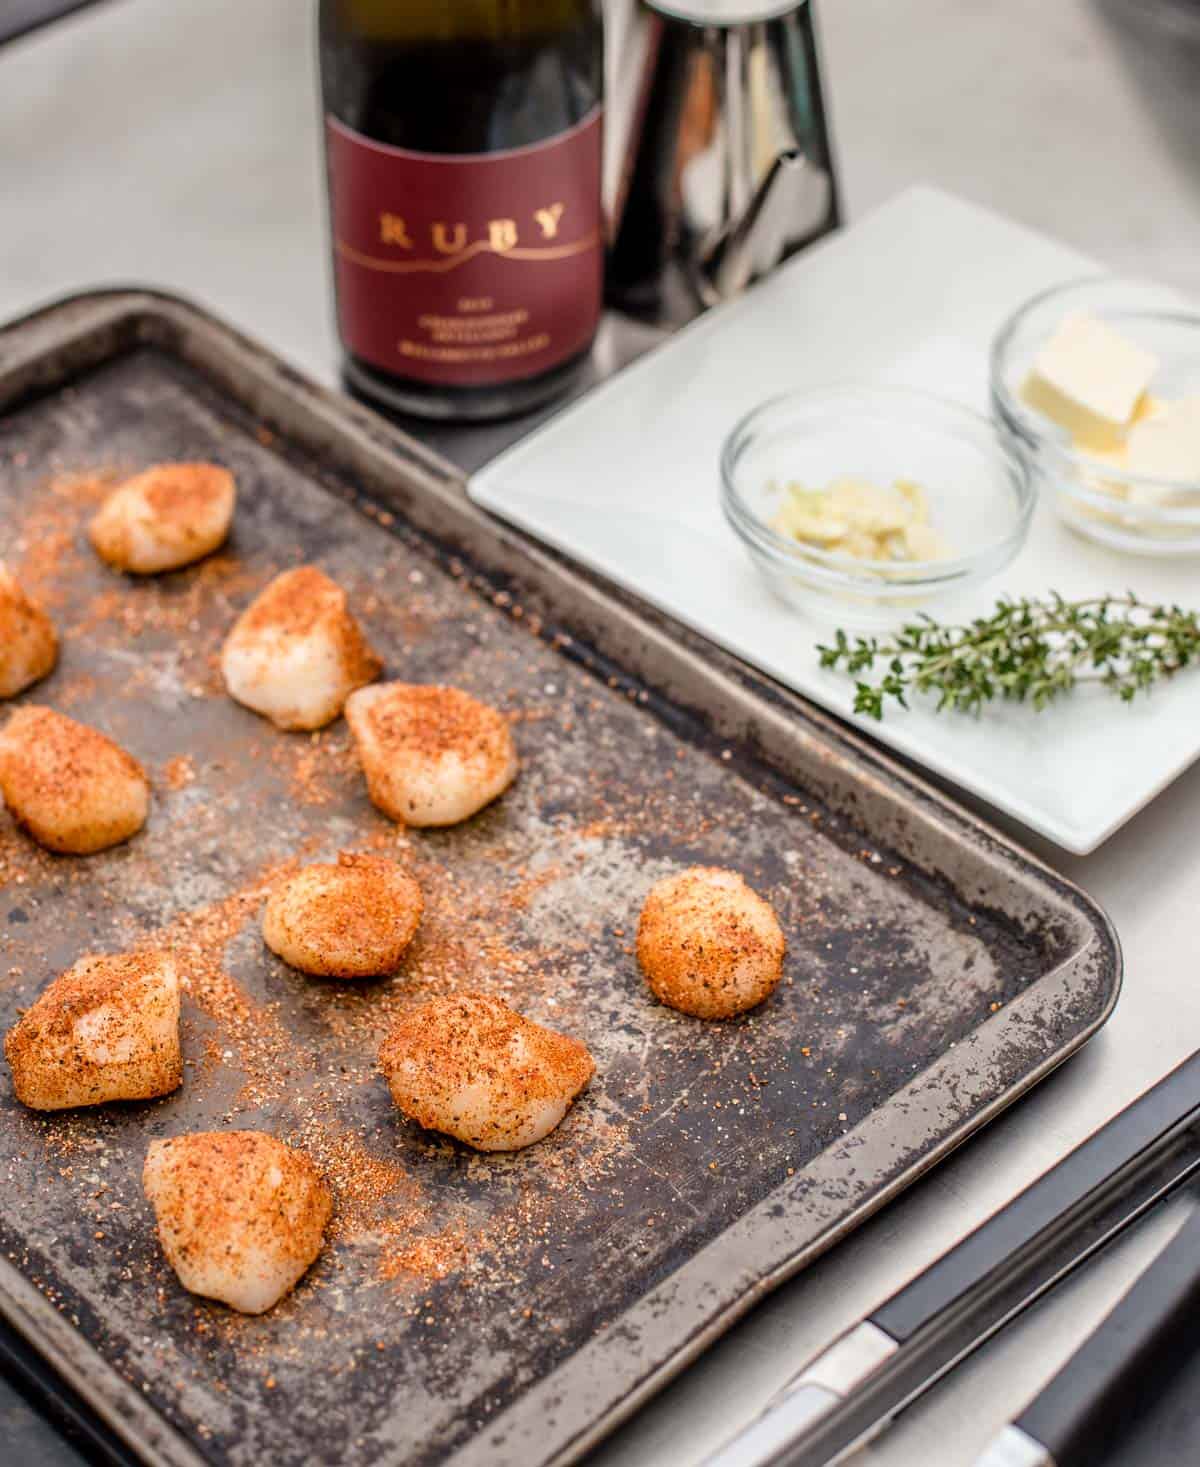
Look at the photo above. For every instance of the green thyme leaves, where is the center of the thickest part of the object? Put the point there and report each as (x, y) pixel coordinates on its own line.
(1031, 650)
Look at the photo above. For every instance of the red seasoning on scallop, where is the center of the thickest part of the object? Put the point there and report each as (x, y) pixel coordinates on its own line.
(709, 945)
(74, 790)
(241, 1216)
(28, 644)
(165, 517)
(431, 755)
(296, 652)
(349, 919)
(107, 1029)
(474, 1068)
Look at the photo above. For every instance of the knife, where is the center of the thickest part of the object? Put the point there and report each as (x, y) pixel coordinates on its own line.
(855, 1387)
(1072, 1420)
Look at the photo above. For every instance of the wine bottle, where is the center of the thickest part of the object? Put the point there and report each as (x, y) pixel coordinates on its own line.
(463, 143)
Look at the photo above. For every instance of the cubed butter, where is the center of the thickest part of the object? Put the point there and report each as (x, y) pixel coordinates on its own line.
(1090, 380)
(1166, 447)
(1149, 408)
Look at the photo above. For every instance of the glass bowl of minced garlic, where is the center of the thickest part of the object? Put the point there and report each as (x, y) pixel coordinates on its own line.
(1098, 382)
(857, 500)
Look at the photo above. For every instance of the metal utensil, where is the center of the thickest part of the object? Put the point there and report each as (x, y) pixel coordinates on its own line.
(722, 148)
(1072, 1419)
(853, 1389)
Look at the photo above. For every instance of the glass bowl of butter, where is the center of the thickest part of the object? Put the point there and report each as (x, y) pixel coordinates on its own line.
(858, 501)
(1098, 381)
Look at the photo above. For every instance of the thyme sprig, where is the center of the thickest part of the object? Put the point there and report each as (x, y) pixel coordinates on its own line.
(1031, 650)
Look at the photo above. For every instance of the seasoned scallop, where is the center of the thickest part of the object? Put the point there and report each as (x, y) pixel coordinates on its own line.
(476, 1069)
(241, 1216)
(708, 944)
(296, 652)
(431, 755)
(28, 644)
(72, 789)
(107, 1029)
(349, 920)
(166, 517)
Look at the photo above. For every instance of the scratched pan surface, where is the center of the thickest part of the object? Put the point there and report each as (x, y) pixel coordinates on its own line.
(507, 1309)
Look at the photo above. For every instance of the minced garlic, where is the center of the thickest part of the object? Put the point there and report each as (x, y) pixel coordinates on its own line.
(857, 518)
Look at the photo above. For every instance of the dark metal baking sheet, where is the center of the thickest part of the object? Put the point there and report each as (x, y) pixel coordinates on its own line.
(507, 1309)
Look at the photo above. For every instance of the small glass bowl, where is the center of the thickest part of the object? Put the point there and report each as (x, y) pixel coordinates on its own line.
(977, 485)
(1100, 500)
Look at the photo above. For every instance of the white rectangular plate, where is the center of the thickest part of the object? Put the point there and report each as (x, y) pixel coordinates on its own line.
(626, 481)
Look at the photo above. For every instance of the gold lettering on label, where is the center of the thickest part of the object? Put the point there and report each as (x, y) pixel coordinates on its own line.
(502, 234)
(455, 250)
(548, 220)
(475, 303)
(444, 244)
(394, 231)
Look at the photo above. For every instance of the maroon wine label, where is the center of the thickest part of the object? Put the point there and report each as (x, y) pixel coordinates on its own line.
(467, 270)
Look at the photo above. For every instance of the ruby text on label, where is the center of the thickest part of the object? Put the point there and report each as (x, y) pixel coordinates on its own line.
(453, 239)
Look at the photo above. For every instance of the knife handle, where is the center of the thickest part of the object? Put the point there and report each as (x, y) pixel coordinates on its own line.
(822, 1386)
(1127, 1357)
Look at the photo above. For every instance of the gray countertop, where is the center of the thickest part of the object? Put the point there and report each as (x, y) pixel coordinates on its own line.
(177, 145)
